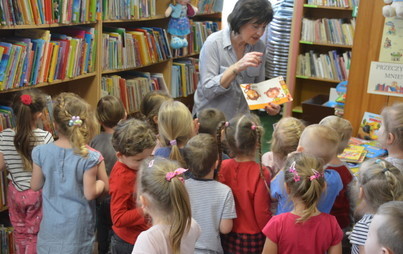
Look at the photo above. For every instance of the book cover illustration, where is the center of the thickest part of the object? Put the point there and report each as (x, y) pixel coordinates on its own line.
(369, 127)
(258, 95)
(354, 154)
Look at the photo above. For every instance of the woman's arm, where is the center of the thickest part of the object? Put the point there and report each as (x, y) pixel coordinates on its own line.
(37, 178)
(92, 187)
(270, 247)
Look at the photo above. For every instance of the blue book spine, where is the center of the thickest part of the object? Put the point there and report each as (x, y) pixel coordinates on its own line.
(39, 44)
(4, 59)
(59, 59)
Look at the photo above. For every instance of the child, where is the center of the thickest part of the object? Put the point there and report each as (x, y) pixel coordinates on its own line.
(24, 205)
(391, 134)
(386, 230)
(67, 171)
(284, 140)
(321, 142)
(305, 229)
(164, 197)
(133, 141)
(379, 182)
(248, 181)
(341, 207)
(209, 120)
(110, 111)
(176, 127)
(212, 202)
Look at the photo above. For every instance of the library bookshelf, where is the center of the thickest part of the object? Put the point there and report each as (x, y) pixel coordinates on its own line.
(320, 50)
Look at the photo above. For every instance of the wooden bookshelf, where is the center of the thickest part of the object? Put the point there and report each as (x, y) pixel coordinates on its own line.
(326, 44)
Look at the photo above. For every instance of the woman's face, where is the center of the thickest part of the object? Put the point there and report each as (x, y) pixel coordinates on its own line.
(251, 32)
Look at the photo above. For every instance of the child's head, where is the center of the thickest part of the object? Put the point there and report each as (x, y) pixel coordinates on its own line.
(303, 176)
(150, 105)
(110, 111)
(379, 182)
(320, 141)
(75, 120)
(201, 154)
(386, 230)
(286, 136)
(133, 141)
(392, 126)
(175, 125)
(209, 120)
(27, 106)
(342, 127)
(163, 195)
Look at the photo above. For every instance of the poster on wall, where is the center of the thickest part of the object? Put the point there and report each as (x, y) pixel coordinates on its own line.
(392, 41)
(386, 79)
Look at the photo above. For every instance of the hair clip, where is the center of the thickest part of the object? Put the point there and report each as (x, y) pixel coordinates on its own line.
(253, 127)
(292, 169)
(173, 142)
(151, 163)
(26, 99)
(177, 172)
(379, 161)
(315, 175)
(75, 121)
(226, 124)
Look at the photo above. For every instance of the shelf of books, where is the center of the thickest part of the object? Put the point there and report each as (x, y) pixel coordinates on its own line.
(320, 49)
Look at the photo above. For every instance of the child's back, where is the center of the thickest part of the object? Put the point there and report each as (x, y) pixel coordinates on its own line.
(212, 203)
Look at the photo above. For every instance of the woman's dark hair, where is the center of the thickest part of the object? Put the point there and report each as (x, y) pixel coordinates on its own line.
(245, 11)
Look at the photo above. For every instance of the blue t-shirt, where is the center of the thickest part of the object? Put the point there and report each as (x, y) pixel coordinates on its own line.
(334, 186)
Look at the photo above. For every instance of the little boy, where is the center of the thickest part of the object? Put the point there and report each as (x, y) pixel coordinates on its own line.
(386, 230)
(322, 142)
(133, 141)
(209, 119)
(212, 203)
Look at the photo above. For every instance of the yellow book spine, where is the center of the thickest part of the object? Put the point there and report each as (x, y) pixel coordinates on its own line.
(53, 63)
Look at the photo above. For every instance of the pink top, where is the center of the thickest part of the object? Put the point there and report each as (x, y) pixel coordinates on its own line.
(314, 236)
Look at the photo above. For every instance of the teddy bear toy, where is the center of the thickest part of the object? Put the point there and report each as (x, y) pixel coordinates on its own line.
(179, 25)
(394, 8)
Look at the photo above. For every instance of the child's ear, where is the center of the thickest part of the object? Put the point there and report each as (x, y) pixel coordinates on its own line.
(196, 125)
(390, 138)
(361, 193)
(386, 251)
(119, 155)
(300, 149)
(155, 119)
(38, 115)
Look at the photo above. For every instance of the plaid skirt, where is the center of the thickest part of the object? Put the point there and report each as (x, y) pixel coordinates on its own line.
(237, 243)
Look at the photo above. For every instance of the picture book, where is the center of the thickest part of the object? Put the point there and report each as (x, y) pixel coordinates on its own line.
(258, 95)
(353, 153)
(369, 127)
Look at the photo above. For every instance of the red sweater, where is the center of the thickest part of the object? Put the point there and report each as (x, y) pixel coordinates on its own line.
(128, 220)
(341, 206)
(252, 199)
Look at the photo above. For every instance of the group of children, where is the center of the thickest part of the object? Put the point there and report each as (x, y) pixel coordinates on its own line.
(168, 183)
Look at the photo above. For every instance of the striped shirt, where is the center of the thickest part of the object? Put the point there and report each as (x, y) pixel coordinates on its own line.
(14, 163)
(360, 233)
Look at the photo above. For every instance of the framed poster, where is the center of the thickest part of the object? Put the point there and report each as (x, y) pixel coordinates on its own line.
(386, 79)
(392, 41)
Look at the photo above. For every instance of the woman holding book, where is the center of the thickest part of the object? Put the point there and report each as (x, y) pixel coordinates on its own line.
(233, 56)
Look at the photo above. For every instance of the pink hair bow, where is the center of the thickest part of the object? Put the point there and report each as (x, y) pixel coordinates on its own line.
(292, 169)
(315, 175)
(177, 172)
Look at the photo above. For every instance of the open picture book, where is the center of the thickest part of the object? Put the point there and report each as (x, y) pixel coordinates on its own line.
(258, 95)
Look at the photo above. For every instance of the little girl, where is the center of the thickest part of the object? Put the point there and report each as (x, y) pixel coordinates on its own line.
(305, 229)
(379, 182)
(284, 140)
(24, 205)
(391, 134)
(249, 184)
(163, 196)
(66, 171)
(175, 127)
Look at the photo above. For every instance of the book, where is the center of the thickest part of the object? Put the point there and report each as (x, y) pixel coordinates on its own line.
(369, 127)
(258, 95)
(353, 153)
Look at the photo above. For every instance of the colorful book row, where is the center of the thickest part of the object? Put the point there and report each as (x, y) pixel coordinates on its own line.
(128, 9)
(332, 66)
(132, 87)
(185, 77)
(7, 119)
(334, 3)
(35, 56)
(7, 240)
(332, 31)
(3, 190)
(36, 12)
(134, 47)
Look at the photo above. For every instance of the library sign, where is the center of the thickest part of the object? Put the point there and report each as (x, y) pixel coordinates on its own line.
(386, 79)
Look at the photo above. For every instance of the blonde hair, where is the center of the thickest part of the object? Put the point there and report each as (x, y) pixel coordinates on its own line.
(286, 135)
(301, 185)
(150, 106)
(320, 141)
(390, 233)
(68, 105)
(169, 199)
(132, 137)
(381, 182)
(175, 125)
(110, 111)
(393, 122)
(342, 126)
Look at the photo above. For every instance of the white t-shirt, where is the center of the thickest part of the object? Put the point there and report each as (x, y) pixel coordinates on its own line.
(155, 240)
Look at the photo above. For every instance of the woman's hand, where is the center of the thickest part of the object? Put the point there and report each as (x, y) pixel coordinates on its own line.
(272, 109)
(251, 59)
